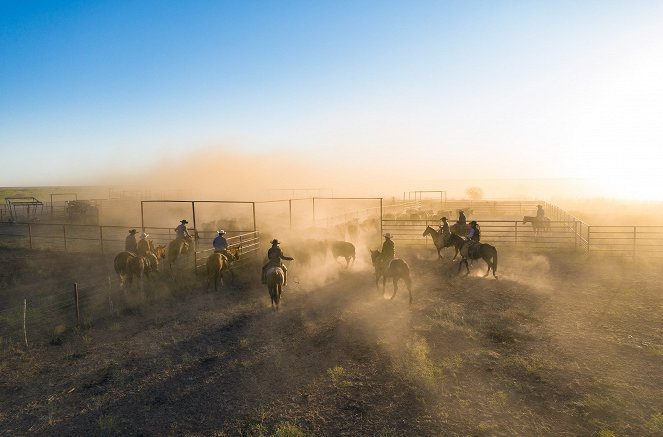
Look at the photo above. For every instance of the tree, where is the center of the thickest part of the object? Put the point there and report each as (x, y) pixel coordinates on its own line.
(474, 193)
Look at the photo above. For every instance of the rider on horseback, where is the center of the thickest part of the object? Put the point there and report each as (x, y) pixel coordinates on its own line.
(181, 231)
(388, 251)
(143, 246)
(540, 214)
(461, 218)
(473, 238)
(275, 255)
(444, 230)
(221, 244)
(130, 241)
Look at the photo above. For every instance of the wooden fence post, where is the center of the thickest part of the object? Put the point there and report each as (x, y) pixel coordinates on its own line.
(25, 313)
(589, 231)
(110, 299)
(76, 302)
(101, 240)
(64, 237)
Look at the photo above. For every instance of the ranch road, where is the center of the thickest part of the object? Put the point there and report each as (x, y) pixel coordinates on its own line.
(556, 346)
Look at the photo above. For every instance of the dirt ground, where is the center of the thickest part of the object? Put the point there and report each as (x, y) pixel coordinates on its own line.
(560, 344)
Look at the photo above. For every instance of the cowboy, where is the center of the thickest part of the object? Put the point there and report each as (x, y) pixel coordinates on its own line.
(388, 251)
(461, 218)
(143, 246)
(130, 241)
(181, 231)
(540, 214)
(220, 244)
(275, 255)
(473, 239)
(444, 230)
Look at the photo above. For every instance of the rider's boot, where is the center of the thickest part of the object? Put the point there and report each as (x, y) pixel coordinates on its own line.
(285, 277)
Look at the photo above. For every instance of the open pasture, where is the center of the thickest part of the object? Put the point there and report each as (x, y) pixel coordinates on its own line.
(559, 345)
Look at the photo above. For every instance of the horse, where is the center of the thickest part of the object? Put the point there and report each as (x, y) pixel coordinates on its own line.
(343, 249)
(217, 263)
(275, 280)
(396, 269)
(160, 252)
(539, 224)
(176, 247)
(454, 241)
(459, 228)
(485, 251)
(128, 264)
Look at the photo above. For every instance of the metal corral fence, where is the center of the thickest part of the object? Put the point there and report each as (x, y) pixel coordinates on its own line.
(503, 233)
(625, 240)
(104, 239)
(248, 244)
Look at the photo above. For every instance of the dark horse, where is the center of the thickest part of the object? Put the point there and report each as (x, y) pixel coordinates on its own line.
(275, 280)
(453, 241)
(396, 269)
(217, 263)
(485, 251)
(176, 247)
(459, 228)
(538, 224)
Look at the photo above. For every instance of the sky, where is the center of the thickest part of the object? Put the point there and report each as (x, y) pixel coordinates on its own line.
(412, 92)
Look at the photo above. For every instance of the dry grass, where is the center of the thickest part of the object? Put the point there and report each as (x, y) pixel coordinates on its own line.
(572, 349)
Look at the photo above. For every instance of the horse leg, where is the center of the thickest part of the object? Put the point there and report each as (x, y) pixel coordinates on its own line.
(347, 262)
(395, 288)
(408, 284)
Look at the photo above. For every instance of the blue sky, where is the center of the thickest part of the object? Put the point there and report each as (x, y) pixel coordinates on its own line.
(519, 88)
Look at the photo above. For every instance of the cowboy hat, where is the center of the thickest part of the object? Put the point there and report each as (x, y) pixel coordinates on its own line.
(144, 235)
(387, 235)
(443, 218)
(221, 232)
(184, 221)
(133, 231)
(275, 241)
(473, 222)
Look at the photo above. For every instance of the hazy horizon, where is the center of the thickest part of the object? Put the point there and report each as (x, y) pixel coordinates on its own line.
(365, 99)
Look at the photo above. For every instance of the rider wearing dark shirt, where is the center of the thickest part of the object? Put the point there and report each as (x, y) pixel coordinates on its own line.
(275, 255)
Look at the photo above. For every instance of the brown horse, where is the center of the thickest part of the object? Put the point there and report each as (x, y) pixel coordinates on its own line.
(176, 247)
(452, 241)
(484, 251)
(217, 263)
(128, 264)
(275, 280)
(343, 249)
(538, 224)
(395, 269)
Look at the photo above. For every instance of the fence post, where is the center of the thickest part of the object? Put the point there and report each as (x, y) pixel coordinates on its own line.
(30, 235)
(110, 299)
(589, 231)
(25, 314)
(635, 239)
(64, 236)
(515, 242)
(575, 234)
(76, 302)
(101, 239)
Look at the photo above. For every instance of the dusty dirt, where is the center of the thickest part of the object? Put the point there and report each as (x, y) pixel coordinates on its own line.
(561, 344)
